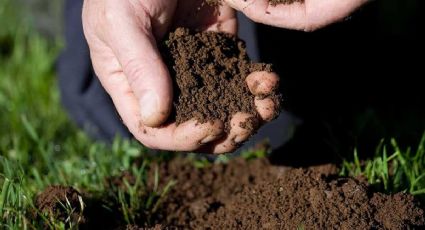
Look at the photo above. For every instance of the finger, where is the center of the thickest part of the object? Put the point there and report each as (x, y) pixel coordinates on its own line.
(266, 108)
(132, 42)
(186, 137)
(195, 14)
(242, 126)
(262, 82)
(308, 15)
(226, 21)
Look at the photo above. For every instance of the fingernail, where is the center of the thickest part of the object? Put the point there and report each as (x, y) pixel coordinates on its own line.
(148, 105)
(241, 138)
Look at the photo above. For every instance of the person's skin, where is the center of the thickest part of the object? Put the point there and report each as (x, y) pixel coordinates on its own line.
(123, 36)
(306, 15)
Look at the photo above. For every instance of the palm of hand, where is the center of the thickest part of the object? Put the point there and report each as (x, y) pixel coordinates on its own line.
(307, 15)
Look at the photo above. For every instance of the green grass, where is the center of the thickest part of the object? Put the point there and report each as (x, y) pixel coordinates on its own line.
(392, 169)
(39, 146)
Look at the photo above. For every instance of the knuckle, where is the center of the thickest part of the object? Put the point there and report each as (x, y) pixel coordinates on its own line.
(109, 16)
(115, 83)
(109, 11)
(133, 70)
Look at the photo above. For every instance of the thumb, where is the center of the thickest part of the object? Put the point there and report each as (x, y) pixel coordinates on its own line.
(134, 45)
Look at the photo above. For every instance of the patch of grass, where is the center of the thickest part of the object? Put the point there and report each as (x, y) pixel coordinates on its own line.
(392, 169)
(254, 154)
(261, 150)
(74, 215)
(200, 161)
(138, 201)
(39, 146)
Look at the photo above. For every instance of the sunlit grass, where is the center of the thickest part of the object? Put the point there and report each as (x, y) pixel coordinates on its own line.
(392, 169)
(39, 145)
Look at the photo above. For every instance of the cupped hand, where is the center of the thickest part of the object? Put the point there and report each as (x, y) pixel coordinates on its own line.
(307, 15)
(123, 36)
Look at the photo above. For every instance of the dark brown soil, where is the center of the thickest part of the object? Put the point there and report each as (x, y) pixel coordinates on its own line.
(256, 195)
(213, 2)
(55, 200)
(209, 70)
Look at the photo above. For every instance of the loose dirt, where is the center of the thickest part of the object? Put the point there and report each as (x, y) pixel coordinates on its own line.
(57, 201)
(209, 71)
(257, 195)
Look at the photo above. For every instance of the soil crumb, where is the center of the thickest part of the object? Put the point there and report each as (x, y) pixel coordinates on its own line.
(257, 195)
(213, 2)
(209, 70)
(55, 200)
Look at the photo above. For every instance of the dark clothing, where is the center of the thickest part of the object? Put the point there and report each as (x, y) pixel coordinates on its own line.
(81, 92)
(354, 82)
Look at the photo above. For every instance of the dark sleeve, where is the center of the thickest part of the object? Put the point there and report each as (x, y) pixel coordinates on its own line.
(82, 95)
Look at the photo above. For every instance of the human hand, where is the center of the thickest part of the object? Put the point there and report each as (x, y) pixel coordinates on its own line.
(308, 15)
(123, 35)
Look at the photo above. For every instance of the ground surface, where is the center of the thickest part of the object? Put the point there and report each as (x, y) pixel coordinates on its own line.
(257, 195)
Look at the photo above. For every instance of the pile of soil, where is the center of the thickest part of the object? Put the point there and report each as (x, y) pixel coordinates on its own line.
(257, 195)
(209, 71)
(56, 199)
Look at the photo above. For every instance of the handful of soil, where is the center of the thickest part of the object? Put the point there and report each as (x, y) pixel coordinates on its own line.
(209, 71)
